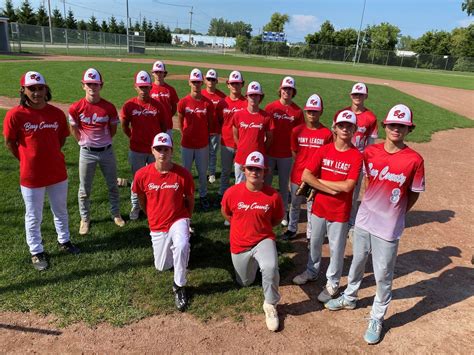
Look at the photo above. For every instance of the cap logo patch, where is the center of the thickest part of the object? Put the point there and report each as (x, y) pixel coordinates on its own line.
(143, 78)
(162, 139)
(255, 159)
(289, 81)
(358, 87)
(254, 87)
(35, 77)
(313, 102)
(399, 114)
(196, 75)
(346, 115)
(91, 75)
(235, 76)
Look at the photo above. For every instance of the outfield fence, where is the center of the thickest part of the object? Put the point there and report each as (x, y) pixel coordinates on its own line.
(40, 39)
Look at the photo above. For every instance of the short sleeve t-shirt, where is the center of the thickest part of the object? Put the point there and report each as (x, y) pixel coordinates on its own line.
(285, 118)
(366, 127)
(147, 119)
(330, 164)
(165, 195)
(167, 96)
(195, 127)
(93, 121)
(253, 215)
(38, 134)
(391, 176)
(215, 98)
(305, 142)
(225, 111)
(252, 128)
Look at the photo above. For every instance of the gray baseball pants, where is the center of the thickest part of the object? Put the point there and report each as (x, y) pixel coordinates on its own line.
(138, 161)
(227, 162)
(284, 168)
(294, 215)
(201, 156)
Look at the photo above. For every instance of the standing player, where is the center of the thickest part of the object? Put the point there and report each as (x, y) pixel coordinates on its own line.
(34, 133)
(253, 209)
(142, 118)
(166, 193)
(233, 103)
(195, 113)
(286, 115)
(395, 177)
(164, 93)
(366, 134)
(212, 93)
(93, 122)
(305, 140)
(333, 171)
(253, 129)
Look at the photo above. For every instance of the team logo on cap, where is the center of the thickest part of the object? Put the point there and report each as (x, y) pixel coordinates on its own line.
(313, 102)
(289, 81)
(254, 87)
(143, 78)
(35, 77)
(162, 139)
(196, 74)
(159, 65)
(91, 75)
(399, 114)
(255, 159)
(358, 87)
(346, 115)
(235, 76)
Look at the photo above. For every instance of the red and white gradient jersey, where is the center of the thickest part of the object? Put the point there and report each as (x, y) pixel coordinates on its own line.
(383, 208)
(225, 114)
(366, 128)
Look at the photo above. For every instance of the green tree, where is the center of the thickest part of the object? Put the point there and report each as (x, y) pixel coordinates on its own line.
(82, 25)
(121, 28)
(345, 37)
(312, 39)
(277, 22)
(93, 25)
(104, 27)
(57, 19)
(70, 20)
(326, 33)
(462, 41)
(383, 36)
(113, 27)
(405, 43)
(9, 11)
(242, 29)
(26, 13)
(42, 16)
(468, 6)
(242, 43)
(433, 42)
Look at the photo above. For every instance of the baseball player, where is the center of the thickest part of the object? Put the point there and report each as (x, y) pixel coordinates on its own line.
(93, 122)
(333, 171)
(232, 103)
(215, 96)
(166, 193)
(142, 118)
(34, 133)
(395, 177)
(253, 209)
(286, 115)
(253, 129)
(366, 134)
(164, 93)
(195, 113)
(306, 139)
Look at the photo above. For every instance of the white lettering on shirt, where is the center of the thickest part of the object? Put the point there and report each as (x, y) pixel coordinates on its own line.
(144, 112)
(28, 126)
(284, 116)
(232, 110)
(94, 119)
(253, 206)
(164, 185)
(160, 94)
(251, 125)
(196, 110)
(385, 174)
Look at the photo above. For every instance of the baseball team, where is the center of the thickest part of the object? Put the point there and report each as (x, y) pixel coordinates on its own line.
(322, 167)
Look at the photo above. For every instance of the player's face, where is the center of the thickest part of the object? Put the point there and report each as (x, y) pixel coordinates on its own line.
(254, 175)
(92, 89)
(36, 94)
(143, 91)
(396, 132)
(235, 88)
(358, 99)
(286, 93)
(313, 116)
(195, 86)
(254, 99)
(162, 154)
(345, 130)
(159, 76)
(211, 83)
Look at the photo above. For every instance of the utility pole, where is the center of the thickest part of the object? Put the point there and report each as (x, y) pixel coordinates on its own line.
(358, 34)
(64, 9)
(49, 20)
(190, 23)
(128, 43)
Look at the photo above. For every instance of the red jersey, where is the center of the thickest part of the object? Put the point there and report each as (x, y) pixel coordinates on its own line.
(391, 175)
(167, 96)
(215, 98)
(366, 127)
(225, 115)
(197, 115)
(38, 134)
(253, 215)
(285, 118)
(333, 165)
(304, 143)
(93, 121)
(165, 195)
(252, 128)
(147, 119)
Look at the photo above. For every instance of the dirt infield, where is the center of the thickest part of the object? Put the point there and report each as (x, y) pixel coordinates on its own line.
(431, 311)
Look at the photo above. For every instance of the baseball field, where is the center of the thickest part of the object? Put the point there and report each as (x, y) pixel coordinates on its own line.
(110, 297)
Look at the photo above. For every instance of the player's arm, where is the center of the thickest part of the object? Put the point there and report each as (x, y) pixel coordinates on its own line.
(189, 203)
(268, 139)
(412, 198)
(310, 179)
(142, 201)
(12, 146)
(75, 132)
(227, 217)
(180, 121)
(125, 123)
(339, 186)
(113, 129)
(235, 132)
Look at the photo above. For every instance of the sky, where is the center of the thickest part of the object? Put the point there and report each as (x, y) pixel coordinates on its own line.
(413, 17)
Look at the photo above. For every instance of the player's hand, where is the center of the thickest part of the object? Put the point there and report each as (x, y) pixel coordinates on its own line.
(302, 190)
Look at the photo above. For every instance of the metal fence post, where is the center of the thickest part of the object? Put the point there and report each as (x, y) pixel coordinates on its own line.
(42, 38)
(446, 65)
(67, 41)
(388, 54)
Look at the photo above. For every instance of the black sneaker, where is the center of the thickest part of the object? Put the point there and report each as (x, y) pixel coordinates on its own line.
(39, 261)
(288, 235)
(180, 298)
(68, 247)
(205, 205)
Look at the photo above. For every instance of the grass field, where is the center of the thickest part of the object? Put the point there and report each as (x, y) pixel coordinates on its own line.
(113, 279)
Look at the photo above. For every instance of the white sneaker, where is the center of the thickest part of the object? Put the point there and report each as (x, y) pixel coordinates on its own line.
(134, 213)
(284, 222)
(303, 278)
(84, 227)
(118, 220)
(271, 317)
(226, 223)
(212, 179)
(327, 293)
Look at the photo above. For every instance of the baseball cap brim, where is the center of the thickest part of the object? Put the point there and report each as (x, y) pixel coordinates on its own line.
(308, 108)
(409, 124)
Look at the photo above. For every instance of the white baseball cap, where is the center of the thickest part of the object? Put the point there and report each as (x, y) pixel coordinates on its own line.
(195, 75)
(254, 88)
(235, 77)
(255, 159)
(288, 82)
(346, 116)
(32, 78)
(400, 114)
(314, 103)
(211, 74)
(360, 88)
(142, 78)
(92, 76)
(159, 66)
(162, 140)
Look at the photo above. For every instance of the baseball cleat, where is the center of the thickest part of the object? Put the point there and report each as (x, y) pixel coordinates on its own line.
(303, 278)
(84, 227)
(68, 247)
(328, 293)
(373, 332)
(339, 303)
(271, 317)
(180, 298)
(39, 261)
